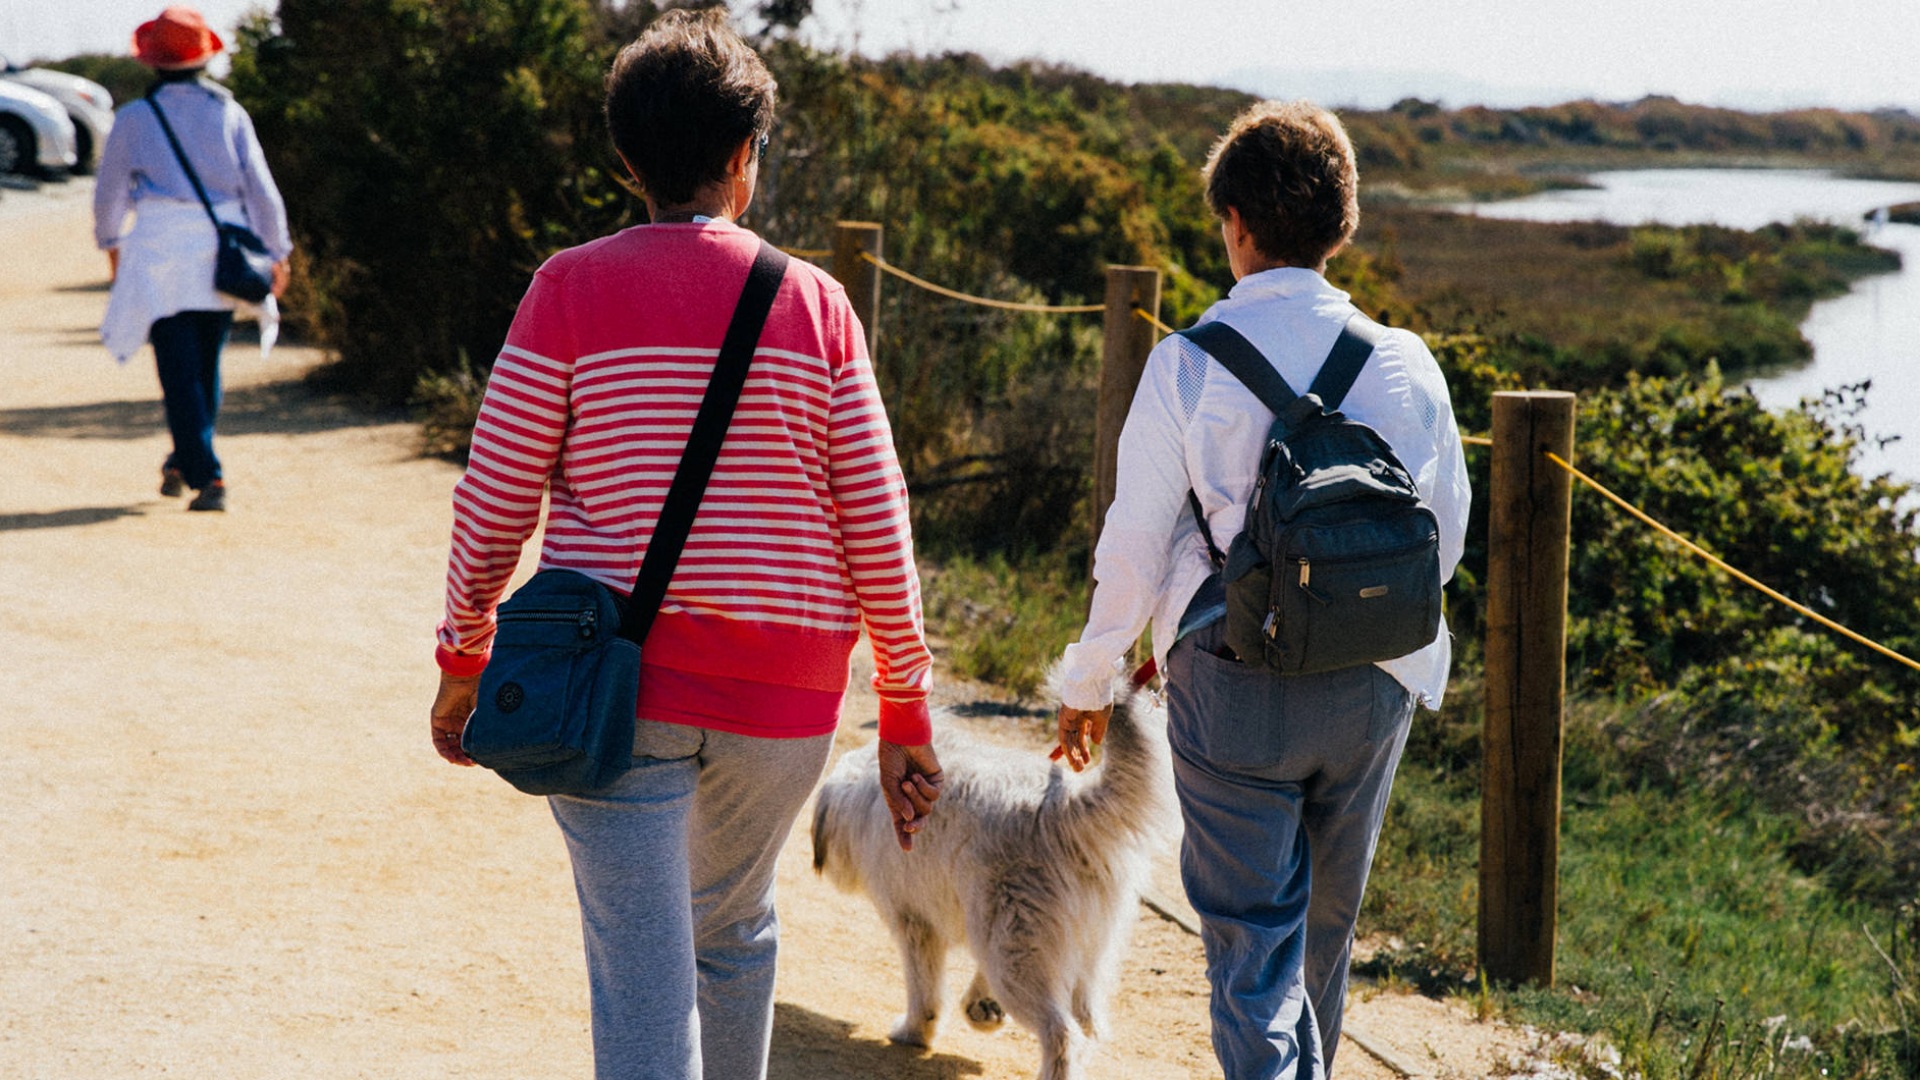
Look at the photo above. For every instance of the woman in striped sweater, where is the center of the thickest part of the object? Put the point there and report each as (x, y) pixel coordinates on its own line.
(801, 543)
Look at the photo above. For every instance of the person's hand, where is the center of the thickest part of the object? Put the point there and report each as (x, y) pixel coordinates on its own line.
(451, 706)
(280, 275)
(113, 264)
(910, 780)
(1076, 727)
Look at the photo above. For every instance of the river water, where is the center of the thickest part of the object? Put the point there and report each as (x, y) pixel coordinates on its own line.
(1873, 332)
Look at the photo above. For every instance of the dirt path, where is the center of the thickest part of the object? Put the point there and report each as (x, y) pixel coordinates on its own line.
(228, 850)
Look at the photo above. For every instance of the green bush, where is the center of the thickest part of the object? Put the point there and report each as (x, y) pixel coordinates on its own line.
(432, 154)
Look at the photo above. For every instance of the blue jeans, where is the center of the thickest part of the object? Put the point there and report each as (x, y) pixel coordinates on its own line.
(186, 348)
(1283, 783)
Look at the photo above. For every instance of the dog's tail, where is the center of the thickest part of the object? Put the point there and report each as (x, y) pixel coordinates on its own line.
(837, 809)
(1133, 791)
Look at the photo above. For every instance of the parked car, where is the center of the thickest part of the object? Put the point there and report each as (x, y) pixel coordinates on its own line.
(36, 134)
(88, 105)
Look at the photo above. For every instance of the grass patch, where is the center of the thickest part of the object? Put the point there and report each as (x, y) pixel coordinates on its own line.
(1003, 623)
(1687, 939)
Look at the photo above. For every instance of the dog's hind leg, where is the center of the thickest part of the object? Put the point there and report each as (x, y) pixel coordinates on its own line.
(983, 1012)
(1061, 1047)
(1083, 1012)
(1093, 986)
(923, 960)
(1033, 994)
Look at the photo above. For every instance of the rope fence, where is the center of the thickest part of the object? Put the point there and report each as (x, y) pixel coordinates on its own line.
(1150, 318)
(1745, 579)
(807, 253)
(983, 301)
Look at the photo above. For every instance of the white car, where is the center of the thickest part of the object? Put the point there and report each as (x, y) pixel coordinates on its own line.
(36, 134)
(88, 105)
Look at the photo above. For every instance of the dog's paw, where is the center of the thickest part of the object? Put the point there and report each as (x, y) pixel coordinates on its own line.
(912, 1031)
(986, 1014)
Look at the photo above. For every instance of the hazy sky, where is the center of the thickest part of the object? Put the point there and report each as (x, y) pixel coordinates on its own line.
(1751, 53)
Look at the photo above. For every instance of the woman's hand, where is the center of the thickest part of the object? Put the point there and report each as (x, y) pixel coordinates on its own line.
(451, 706)
(910, 780)
(280, 275)
(113, 264)
(1076, 726)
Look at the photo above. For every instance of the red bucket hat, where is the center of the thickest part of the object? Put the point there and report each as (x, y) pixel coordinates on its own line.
(179, 38)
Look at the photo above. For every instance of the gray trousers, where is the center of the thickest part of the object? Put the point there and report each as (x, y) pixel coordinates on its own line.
(1283, 783)
(674, 865)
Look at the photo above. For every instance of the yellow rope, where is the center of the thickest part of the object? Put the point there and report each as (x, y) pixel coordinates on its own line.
(1157, 324)
(1008, 305)
(1476, 440)
(1715, 560)
(808, 253)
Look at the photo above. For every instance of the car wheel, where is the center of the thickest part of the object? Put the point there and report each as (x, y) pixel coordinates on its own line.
(16, 146)
(83, 148)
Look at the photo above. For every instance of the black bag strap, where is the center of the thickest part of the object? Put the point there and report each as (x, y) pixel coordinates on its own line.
(1338, 371)
(1342, 366)
(179, 153)
(1349, 354)
(1214, 555)
(1246, 363)
(703, 445)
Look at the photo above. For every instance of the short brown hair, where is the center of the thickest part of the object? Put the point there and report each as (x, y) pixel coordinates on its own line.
(682, 97)
(1288, 168)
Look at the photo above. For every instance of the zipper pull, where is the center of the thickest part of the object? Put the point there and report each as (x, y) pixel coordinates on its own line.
(1306, 577)
(1271, 626)
(589, 622)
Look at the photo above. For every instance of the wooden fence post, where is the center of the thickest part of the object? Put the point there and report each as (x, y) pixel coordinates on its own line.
(1530, 511)
(1123, 356)
(859, 277)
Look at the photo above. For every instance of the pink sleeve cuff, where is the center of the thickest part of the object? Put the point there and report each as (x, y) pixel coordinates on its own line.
(460, 664)
(905, 723)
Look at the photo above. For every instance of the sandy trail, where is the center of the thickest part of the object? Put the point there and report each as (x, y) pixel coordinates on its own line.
(228, 848)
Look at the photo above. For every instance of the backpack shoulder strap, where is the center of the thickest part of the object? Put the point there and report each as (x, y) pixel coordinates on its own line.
(1349, 354)
(1247, 363)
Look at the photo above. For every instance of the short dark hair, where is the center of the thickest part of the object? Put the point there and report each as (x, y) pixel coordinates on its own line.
(683, 97)
(1288, 168)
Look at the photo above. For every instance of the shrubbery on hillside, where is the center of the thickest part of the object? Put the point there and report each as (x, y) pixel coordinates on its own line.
(1418, 137)
(432, 154)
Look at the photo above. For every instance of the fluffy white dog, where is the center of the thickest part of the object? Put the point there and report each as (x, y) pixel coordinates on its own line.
(1038, 870)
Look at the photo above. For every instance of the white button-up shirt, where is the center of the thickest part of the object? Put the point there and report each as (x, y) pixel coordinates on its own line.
(1193, 425)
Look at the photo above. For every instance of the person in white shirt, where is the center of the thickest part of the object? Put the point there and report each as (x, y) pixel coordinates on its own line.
(1283, 780)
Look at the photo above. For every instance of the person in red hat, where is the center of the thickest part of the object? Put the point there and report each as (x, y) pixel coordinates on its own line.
(184, 151)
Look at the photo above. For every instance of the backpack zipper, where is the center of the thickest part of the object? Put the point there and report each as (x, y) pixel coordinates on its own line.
(1306, 580)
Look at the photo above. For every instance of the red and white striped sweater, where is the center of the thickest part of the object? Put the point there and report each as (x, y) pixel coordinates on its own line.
(802, 537)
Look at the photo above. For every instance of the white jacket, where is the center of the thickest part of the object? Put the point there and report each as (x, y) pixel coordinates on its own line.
(1193, 425)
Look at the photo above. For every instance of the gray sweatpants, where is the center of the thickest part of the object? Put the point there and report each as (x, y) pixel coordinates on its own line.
(674, 865)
